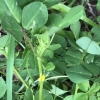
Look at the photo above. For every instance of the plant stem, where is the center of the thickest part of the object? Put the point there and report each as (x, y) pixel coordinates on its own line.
(90, 22)
(10, 63)
(40, 79)
(39, 66)
(56, 77)
(40, 90)
(28, 40)
(18, 75)
(76, 89)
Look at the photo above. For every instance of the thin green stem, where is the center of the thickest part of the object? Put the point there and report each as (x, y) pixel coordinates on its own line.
(40, 90)
(50, 40)
(41, 78)
(22, 85)
(28, 40)
(21, 79)
(39, 66)
(76, 89)
(22, 45)
(90, 22)
(29, 73)
(40, 83)
(56, 77)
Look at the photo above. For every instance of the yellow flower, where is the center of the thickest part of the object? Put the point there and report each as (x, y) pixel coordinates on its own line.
(42, 78)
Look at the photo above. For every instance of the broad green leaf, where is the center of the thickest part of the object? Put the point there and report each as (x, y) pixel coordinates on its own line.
(48, 53)
(73, 57)
(96, 31)
(84, 42)
(22, 3)
(72, 16)
(50, 66)
(54, 20)
(28, 95)
(18, 62)
(78, 96)
(4, 40)
(81, 96)
(62, 41)
(89, 58)
(33, 72)
(94, 69)
(34, 14)
(78, 74)
(57, 91)
(45, 95)
(69, 97)
(94, 48)
(14, 10)
(94, 88)
(12, 26)
(98, 94)
(32, 60)
(93, 98)
(71, 41)
(53, 30)
(95, 79)
(10, 65)
(84, 86)
(3, 9)
(97, 60)
(88, 45)
(76, 29)
(2, 87)
(54, 46)
(58, 65)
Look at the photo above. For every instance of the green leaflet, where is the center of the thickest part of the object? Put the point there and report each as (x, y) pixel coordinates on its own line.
(72, 16)
(88, 45)
(54, 20)
(73, 57)
(96, 31)
(76, 29)
(4, 41)
(3, 9)
(45, 95)
(12, 26)
(14, 10)
(34, 14)
(78, 74)
(28, 95)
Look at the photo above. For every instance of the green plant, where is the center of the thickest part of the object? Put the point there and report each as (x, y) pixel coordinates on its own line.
(46, 54)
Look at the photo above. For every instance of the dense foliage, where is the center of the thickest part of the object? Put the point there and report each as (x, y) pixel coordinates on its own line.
(49, 50)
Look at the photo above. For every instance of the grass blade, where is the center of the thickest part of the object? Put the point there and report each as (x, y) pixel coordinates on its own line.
(10, 63)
